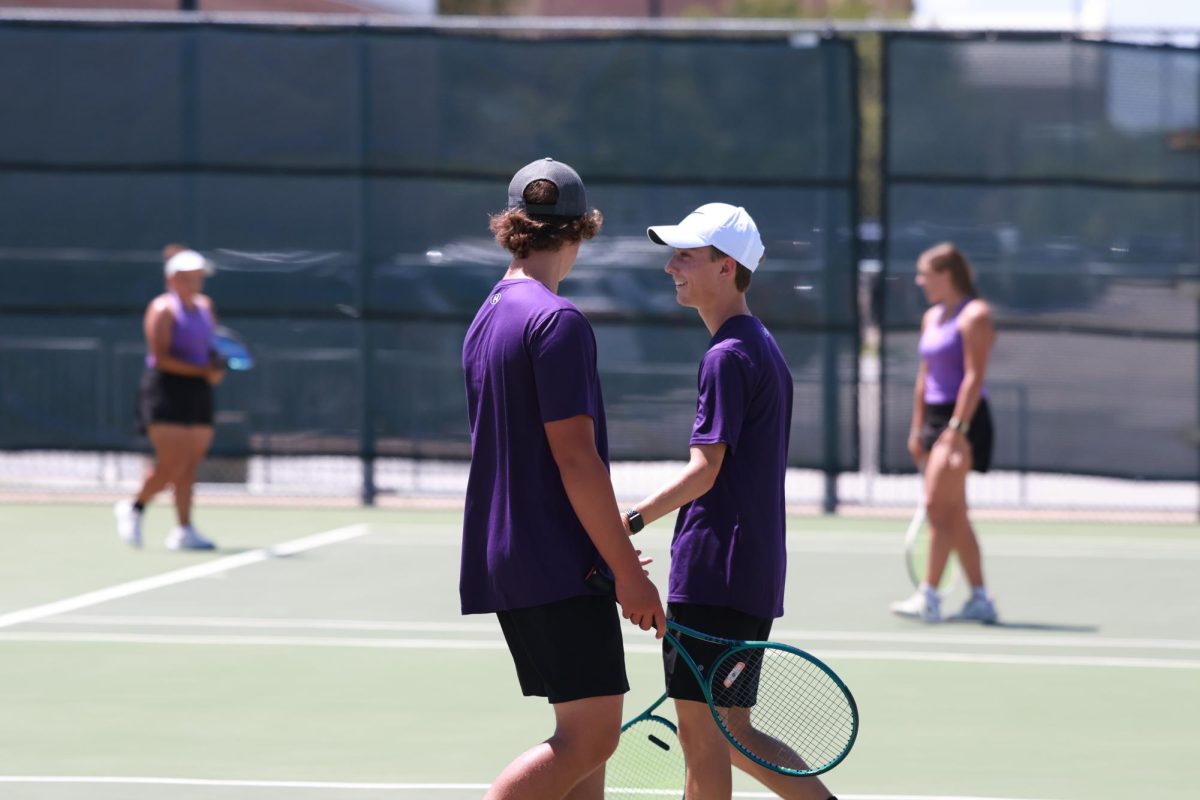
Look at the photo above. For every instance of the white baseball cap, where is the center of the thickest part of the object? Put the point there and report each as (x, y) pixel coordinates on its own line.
(727, 228)
(187, 261)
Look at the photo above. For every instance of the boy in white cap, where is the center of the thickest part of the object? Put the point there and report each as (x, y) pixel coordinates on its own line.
(728, 555)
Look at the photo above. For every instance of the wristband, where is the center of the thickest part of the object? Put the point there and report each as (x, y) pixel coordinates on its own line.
(634, 518)
(958, 425)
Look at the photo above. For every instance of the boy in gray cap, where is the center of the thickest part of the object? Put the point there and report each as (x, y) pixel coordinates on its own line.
(540, 510)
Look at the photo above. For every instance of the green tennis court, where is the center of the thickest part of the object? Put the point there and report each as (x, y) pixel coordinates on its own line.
(320, 654)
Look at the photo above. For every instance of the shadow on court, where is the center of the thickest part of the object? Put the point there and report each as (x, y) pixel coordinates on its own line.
(1035, 626)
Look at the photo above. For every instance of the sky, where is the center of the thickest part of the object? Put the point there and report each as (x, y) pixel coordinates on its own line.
(1169, 14)
(1050, 14)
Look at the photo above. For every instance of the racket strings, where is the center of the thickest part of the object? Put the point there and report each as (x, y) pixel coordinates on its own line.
(648, 764)
(794, 715)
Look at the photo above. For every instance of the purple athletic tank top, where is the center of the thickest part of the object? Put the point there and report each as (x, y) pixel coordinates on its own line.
(191, 335)
(941, 349)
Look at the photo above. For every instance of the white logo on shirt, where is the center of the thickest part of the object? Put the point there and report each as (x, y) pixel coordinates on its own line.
(495, 298)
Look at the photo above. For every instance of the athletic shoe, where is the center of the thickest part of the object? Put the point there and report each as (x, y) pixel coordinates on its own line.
(129, 523)
(978, 609)
(922, 605)
(185, 537)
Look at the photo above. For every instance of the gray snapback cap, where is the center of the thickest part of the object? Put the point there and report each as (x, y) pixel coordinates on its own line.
(572, 198)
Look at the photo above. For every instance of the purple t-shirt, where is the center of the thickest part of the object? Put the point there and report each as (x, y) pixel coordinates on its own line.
(529, 358)
(729, 547)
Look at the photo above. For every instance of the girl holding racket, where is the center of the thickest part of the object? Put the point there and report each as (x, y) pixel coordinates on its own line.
(175, 397)
(951, 431)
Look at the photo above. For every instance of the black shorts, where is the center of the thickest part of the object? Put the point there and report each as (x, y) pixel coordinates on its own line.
(937, 417)
(173, 399)
(567, 650)
(715, 621)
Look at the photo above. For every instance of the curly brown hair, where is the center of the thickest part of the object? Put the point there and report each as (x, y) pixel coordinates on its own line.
(520, 232)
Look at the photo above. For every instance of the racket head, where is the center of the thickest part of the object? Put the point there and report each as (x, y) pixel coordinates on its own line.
(911, 557)
(916, 555)
(231, 350)
(783, 708)
(648, 763)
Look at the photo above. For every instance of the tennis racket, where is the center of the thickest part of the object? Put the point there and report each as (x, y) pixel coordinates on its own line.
(916, 554)
(648, 764)
(230, 350)
(780, 706)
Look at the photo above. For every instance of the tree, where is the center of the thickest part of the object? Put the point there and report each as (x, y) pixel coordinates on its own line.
(484, 8)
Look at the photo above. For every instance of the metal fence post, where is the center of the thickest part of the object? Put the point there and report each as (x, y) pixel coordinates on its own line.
(831, 415)
(366, 442)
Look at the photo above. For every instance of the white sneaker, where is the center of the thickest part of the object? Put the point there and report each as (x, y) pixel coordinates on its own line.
(129, 523)
(978, 609)
(185, 537)
(922, 605)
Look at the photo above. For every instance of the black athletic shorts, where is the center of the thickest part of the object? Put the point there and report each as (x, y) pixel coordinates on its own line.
(173, 399)
(937, 417)
(567, 650)
(715, 621)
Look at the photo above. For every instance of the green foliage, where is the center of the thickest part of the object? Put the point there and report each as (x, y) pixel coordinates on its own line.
(830, 9)
(484, 8)
(869, 47)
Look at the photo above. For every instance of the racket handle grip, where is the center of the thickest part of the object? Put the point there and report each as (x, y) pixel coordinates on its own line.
(597, 580)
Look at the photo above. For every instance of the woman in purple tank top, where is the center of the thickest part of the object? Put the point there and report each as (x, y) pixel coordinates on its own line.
(175, 398)
(951, 431)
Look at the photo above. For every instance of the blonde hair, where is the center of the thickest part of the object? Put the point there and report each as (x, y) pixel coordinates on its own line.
(173, 249)
(945, 257)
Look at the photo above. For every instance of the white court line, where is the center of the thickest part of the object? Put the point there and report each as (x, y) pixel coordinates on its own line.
(1037, 661)
(1085, 641)
(258, 641)
(1049, 547)
(91, 779)
(802, 637)
(277, 623)
(498, 644)
(402, 787)
(182, 575)
(887, 545)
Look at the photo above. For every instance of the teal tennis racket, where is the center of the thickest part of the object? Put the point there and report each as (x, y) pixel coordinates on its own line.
(779, 706)
(648, 764)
